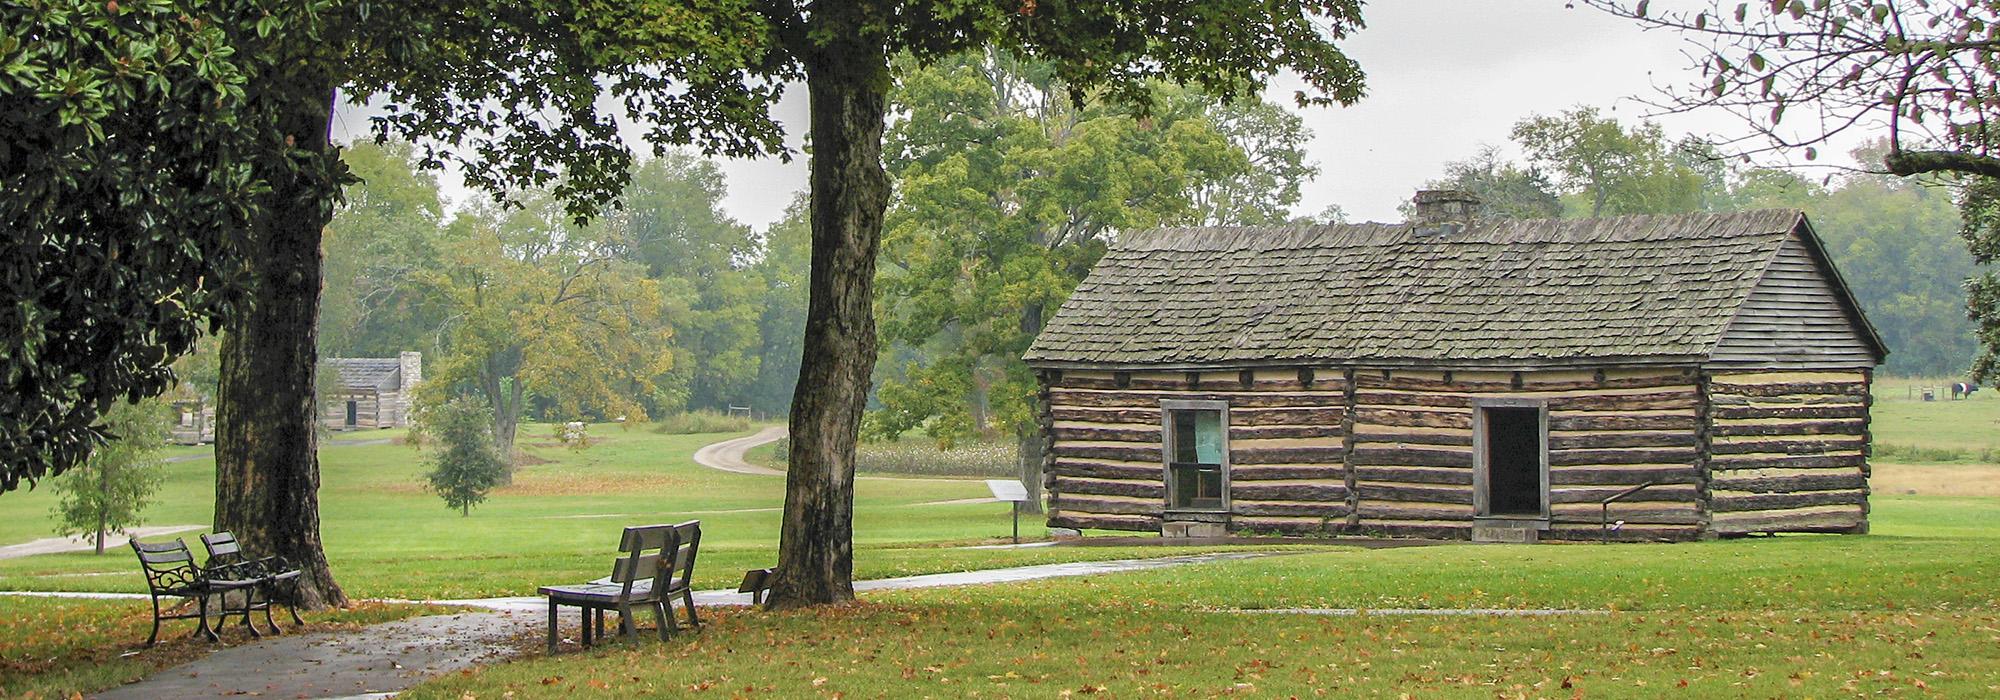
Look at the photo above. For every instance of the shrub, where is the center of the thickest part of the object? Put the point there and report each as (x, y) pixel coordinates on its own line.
(702, 421)
(105, 493)
(466, 467)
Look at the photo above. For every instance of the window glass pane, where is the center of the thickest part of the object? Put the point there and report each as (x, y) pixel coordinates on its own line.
(1208, 437)
(1184, 436)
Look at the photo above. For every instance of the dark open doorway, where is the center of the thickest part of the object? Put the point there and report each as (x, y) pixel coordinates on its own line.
(353, 413)
(1513, 461)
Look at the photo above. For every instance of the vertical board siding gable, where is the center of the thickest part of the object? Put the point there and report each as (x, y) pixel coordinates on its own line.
(1794, 318)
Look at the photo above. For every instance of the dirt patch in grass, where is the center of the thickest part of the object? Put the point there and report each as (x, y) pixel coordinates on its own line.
(1936, 480)
(569, 482)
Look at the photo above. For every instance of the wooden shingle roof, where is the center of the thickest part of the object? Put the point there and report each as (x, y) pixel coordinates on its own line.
(1500, 293)
(377, 373)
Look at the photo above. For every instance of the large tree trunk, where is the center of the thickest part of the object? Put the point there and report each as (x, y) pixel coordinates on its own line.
(848, 79)
(266, 442)
(1029, 440)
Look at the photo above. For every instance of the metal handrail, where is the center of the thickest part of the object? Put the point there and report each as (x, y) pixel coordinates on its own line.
(1604, 517)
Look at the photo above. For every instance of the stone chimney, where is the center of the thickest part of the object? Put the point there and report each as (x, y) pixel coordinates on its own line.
(412, 365)
(1443, 212)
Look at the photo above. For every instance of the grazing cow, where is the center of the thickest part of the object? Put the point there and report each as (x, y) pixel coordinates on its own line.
(1963, 389)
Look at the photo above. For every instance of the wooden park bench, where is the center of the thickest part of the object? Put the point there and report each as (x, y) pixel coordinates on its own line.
(276, 579)
(757, 583)
(655, 566)
(171, 573)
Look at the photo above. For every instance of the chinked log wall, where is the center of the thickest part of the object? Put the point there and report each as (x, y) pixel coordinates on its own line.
(1790, 451)
(1287, 448)
(1398, 463)
(1412, 458)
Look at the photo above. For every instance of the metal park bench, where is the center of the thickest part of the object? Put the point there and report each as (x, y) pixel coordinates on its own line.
(276, 579)
(171, 573)
(655, 566)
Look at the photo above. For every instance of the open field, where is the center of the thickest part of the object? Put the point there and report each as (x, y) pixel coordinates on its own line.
(1909, 429)
(388, 538)
(1907, 611)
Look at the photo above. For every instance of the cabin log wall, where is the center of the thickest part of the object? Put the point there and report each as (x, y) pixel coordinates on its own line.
(1287, 448)
(1790, 451)
(1413, 449)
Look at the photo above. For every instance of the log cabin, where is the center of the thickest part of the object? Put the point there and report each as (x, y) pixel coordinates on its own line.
(1462, 378)
(370, 392)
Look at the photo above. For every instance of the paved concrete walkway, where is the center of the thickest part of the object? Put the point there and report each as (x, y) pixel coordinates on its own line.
(352, 442)
(389, 657)
(52, 545)
(380, 659)
(728, 454)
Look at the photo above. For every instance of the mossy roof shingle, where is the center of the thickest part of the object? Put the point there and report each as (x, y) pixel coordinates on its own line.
(1498, 293)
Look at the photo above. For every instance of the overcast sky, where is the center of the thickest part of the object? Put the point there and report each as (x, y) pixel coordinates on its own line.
(1444, 78)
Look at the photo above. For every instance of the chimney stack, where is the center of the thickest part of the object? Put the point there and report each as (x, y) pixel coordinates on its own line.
(1443, 212)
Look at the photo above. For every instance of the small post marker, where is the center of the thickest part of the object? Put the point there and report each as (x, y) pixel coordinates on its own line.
(1014, 493)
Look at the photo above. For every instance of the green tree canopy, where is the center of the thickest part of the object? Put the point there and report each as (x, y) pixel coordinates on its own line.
(121, 225)
(1008, 193)
(1604, 168)
(536, 305)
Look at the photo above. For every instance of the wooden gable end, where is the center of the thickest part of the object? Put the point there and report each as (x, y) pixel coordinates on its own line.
(1798, 316)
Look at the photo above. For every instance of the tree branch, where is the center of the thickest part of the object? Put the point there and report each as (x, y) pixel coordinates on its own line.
(1908, 163)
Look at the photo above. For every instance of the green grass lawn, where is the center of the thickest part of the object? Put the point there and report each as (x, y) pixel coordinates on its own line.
(1909, 610)
(388, 538)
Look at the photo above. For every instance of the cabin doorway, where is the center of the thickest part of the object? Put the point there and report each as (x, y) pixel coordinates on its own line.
(1511, 467)
(353, 413)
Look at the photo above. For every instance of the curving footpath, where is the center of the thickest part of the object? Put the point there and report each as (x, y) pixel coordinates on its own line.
(728, 454)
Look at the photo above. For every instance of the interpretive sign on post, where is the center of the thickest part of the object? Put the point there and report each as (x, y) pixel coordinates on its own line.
(1014, 493)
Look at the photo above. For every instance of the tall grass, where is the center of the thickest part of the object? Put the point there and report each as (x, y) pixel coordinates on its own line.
(1914, 453)
(706, 420)
(922, 456)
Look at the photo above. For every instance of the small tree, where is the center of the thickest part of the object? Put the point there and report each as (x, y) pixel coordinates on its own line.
(106, 493)
(466, 467)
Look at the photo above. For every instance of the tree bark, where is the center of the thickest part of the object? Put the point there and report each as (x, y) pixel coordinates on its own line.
(1907, 163)
(1029, 445)
(266, 446)
(847, 77)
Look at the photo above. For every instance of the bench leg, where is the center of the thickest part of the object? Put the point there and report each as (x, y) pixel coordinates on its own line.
(693, 620)
(660, 619)
(588, 624)
(154, 638)
(270, 599)
(552, 625)
(249, 603)
(201, 622)
(626, 628)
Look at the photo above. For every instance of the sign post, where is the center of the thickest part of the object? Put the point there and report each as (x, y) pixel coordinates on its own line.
(1014, 493)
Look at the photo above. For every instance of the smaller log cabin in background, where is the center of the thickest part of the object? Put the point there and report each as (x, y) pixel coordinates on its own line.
(370, 392)
(1457, 377)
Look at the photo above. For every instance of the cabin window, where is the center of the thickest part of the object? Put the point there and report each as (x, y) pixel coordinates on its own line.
(1511, 475)
(1197, 455)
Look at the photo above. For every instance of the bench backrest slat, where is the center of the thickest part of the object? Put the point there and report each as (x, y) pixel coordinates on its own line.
(221, 544)
(168, 566)
(640, 568)
(645, 538)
